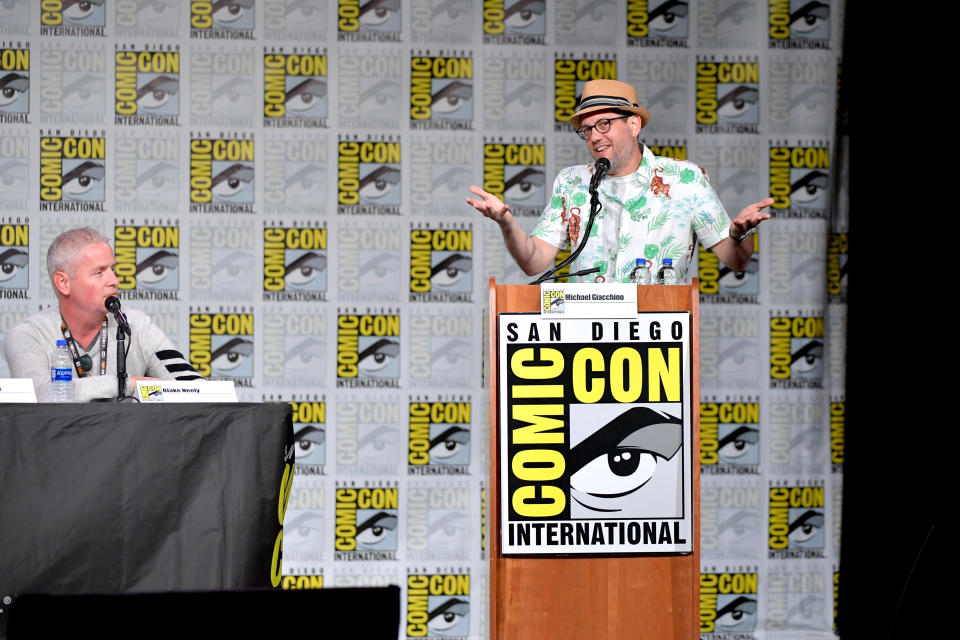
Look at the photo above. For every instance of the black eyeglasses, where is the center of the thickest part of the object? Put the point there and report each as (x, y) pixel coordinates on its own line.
(602, 126)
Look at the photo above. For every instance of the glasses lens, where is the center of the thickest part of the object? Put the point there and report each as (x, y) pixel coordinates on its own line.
(582, 132)
(602, 126)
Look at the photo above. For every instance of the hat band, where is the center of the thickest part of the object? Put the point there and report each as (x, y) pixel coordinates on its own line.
(605, 101)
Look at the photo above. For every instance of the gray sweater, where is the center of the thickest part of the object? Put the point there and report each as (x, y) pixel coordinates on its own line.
(30, 347)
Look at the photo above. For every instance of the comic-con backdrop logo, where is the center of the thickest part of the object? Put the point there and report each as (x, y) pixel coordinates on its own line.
(721, 284)
(514, 22)
(796, 522)
(368, 176)
(800, 181)
(569, 74)
(221, 346)
(441, 264)
(221, 175)
(147, 172)
(439, 440)
(148, 261)
(14, 260)
(441, 91)
(439, 521)
(147, 87)
(369, 20)
(441, 349)
(368, 350)
(14, 85)
(515, 172)
(729, 437)
(228, 19)
(72, 18)
(728, 96)
(438, 605)
(310, 436)
(728, 603)
(657, 23)
(838, 425)
(295, 89)
(837, 257)
(295, 264)
(799, 24)
(366, 523)
(72, 173)
(796, 352)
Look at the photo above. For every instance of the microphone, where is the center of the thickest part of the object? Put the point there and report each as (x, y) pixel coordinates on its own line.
(599, 170)
(112, 303)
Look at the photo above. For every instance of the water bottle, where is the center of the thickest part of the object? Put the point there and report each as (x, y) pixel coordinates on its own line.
(641, 272)
(61, 374)
(667, 275)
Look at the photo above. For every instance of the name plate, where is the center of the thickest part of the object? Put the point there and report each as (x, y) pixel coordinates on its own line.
(185, 391)
(586, 300)
(17, 390)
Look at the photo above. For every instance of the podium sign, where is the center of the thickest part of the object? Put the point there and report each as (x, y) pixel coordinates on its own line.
(596, 439)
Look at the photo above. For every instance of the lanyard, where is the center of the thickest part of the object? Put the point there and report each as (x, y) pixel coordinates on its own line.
(83, 363)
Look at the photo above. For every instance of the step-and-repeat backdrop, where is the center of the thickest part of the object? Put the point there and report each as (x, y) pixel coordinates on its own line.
(284, 184)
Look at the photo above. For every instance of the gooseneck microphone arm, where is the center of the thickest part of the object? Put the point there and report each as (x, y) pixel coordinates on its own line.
(112, 304)
(599, 170)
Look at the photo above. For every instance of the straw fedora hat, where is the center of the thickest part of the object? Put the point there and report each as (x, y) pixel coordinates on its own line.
(602, 95)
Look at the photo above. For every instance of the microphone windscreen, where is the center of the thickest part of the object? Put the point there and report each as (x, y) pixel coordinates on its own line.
(112, 303)
(603, 165)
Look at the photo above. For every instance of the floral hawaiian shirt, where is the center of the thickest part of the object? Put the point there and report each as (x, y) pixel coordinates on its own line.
(652, 213)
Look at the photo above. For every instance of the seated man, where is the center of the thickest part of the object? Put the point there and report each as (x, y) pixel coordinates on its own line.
(81, 263)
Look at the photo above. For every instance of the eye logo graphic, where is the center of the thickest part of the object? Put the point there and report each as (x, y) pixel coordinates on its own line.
(799, 24)
(441, 264)
(221, 346)
(368, 177)
(222, 19)
(728, 97)
(438, 605)
(14, 260)
(720, 284)
(72, 18)
(72, 174)
(294, 264)
(368, 350)
(295, 90)
(514, 22)
(800, 181)
(441, 92)
(14, 85)
(221, 175)
(147, 87)
(515, 172)
(796, 352)
(728, 603)
(439, 441)
(729, 437)
(657, 23)
(368, 20)
(309, 436)
(148, 260)
(569, 74)
(366, 523)
(797, 519)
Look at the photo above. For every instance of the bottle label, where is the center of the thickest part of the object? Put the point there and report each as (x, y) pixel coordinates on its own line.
(60, 374)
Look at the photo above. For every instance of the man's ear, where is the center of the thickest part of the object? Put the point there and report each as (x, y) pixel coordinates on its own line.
(61, 282)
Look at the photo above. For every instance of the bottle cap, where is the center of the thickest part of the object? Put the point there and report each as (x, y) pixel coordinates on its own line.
(640, 262)
(668, 262)
(61, 342)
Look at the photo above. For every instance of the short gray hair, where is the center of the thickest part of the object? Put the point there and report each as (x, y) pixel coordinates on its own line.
(66, 246)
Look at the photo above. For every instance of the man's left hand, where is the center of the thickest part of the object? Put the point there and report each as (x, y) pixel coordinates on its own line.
(749, 218)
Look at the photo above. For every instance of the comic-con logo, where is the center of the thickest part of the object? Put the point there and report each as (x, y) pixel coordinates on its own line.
(515, 172)
(514, 22)
(72, 173)
(310, 437)
(72, 18)
(441, 264)
(439, 521)
(221, 346)
(721, 284)
(838, 426)
(729, 437)
(304, 525)
(592, 433)
(837, 257)
(14, 171)
(295, 89)
(799, 24)
(438, 605)
(147, 87)
(439, 440)
(368, 176)
(148, 261)
(227, 19)
(569, 74)
(221, 175)
(657, 23)
(295, 174)
(441, 348)
(222, 260)
(796, 522)
(14, 85)
(728, 603)
(796, 352)
(366, 523)
(368, 350)
(800, 181)
(294, 347)
(295, 264)
(441, 91)
(14, 260)
(302, 581)
(728, 96)
(368, 20)
(147, 172)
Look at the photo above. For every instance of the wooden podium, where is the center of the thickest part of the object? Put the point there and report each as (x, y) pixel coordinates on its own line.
(625, 596)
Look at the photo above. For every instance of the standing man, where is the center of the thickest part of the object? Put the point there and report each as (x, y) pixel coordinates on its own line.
(652, 206)
(81, 266)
